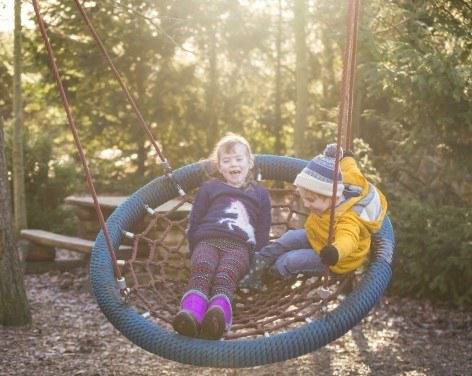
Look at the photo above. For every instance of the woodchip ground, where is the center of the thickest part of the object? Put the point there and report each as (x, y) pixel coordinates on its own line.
(70, 336)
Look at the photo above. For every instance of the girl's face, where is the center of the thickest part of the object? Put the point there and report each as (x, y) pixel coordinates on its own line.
(234, 165)
(313, 201)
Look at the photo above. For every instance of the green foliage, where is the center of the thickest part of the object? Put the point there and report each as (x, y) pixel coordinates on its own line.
(48, 182)
(433, 257)
(418, 99)
(6, 73)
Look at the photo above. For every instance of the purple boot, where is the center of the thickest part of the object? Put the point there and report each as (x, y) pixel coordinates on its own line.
(192, 310)
(218, 318)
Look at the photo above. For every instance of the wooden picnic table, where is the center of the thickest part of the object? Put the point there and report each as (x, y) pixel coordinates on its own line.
(41, 245)
(88, 225)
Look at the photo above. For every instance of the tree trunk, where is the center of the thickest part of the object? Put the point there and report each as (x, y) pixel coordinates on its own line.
(141, 136)
(357, 110)
(212, 89)
(358, 92)
(328, 74)
(278, 78)
(14, 309)
(19, 202)
(301, 76)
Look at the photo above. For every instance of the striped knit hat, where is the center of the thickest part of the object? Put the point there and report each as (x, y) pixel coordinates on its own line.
(317, 176)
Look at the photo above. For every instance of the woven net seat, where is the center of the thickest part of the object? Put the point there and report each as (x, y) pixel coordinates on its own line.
(284, 320)
(158, 270)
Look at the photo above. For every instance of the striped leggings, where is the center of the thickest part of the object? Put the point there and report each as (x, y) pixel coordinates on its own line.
(217, 266)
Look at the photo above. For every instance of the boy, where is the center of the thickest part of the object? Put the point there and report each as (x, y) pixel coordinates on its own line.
(360, 210)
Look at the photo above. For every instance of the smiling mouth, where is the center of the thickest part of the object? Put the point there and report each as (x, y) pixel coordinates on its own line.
(234, 172)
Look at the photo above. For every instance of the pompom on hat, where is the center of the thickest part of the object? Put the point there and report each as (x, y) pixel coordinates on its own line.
(317, 176)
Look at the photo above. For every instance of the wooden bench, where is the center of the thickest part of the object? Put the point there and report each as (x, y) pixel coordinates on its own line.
(45, 243)
(40, 245)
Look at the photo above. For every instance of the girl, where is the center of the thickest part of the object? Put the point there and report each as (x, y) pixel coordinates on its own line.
(230, 219)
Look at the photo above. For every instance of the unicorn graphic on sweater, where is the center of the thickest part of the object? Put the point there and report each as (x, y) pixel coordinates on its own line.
(241, 220)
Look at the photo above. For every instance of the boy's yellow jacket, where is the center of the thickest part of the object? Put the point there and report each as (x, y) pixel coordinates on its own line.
(356, 218)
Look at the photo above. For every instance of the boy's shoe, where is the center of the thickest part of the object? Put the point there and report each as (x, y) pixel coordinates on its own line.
(193, 307)
(253, 278)
(218, 318)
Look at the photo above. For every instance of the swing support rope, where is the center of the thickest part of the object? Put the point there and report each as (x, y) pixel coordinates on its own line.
(88, 176)
(129, 97)
(344, 127)
(344, 134)
(65, 102)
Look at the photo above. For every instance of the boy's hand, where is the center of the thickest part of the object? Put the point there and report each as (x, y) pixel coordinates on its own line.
(329, 255)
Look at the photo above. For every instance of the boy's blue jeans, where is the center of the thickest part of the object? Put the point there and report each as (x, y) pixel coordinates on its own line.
(295, 256)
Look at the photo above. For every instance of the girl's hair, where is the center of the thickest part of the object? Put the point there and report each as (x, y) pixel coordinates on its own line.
(226, 145)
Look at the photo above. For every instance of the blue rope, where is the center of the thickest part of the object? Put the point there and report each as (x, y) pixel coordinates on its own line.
(233, 353)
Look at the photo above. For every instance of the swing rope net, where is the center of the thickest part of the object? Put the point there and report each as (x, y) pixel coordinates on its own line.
(157, 270)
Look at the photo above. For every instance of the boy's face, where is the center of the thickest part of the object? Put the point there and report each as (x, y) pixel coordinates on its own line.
(313, 201)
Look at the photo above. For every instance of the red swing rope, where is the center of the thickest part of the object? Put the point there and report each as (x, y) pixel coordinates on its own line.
(349, 77)
(118, 77)
(344, 128)
(131, 101)
(71, 121)
(73, 128)
(344, 131)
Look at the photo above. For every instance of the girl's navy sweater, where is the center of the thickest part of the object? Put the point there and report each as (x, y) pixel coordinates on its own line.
(222, 211)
